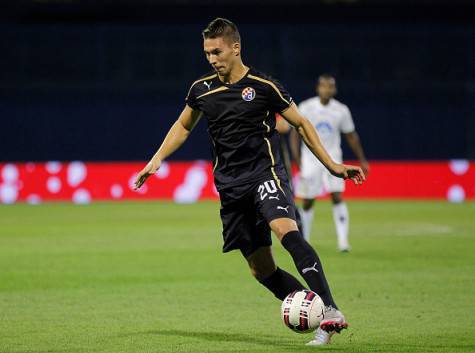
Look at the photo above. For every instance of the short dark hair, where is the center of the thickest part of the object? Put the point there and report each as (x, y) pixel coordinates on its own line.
(221, 27)
(326, 76)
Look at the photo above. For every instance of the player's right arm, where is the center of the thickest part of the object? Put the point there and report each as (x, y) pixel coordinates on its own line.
(175, 137)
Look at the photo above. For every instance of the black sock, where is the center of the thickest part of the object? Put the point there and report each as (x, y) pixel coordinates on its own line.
(308, 264)
(281, 283)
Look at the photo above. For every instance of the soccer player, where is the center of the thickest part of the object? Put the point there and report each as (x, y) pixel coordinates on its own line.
(331, 118)
(239, 103)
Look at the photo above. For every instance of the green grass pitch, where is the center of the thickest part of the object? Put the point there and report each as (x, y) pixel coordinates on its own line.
(150, 277)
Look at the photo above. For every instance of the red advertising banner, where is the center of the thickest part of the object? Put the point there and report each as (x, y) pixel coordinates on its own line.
(188, 182)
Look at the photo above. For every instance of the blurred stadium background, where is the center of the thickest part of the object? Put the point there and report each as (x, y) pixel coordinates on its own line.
(88, 90)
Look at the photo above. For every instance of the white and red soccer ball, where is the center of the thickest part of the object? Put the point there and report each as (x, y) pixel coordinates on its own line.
(302, 311)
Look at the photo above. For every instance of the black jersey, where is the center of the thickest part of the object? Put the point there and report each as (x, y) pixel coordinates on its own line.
(241, 124)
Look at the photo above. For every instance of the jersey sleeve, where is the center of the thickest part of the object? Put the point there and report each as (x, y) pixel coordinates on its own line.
(347, 124)
(191, 98)
(279, 98)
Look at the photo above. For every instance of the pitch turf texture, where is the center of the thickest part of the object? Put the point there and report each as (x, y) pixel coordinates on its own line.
(150, 277)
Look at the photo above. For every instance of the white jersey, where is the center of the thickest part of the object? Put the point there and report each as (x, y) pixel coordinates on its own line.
(331, 121)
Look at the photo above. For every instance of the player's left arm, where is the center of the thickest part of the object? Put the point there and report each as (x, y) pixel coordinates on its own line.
(310, 137)
(353, 140)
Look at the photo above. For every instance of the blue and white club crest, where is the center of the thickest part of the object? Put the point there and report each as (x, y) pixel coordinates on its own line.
(248, 94)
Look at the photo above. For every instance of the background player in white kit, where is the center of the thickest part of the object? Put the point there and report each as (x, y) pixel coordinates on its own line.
(331, 118)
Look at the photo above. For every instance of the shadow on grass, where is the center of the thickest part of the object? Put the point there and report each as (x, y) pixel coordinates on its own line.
(227, 337)
(292, 345)
(416, 348)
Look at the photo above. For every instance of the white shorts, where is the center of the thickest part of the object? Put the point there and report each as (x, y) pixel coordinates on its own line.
(315, 180)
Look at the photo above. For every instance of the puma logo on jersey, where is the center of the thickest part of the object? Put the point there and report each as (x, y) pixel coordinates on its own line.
(274, 198)
(208, 84)
(308, 269)
(283, 208)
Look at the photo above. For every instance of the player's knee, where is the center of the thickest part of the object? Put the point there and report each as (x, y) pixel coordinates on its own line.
(281, 227)
(337, 198)
(307, 204)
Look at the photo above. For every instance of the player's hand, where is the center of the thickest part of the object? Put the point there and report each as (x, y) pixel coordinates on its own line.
(354, 173)
(150, 169)
(365, 167)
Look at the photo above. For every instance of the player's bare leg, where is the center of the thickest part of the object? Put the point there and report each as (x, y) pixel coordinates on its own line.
(306, 214)
(263, 268)
(341, 218)
(261, 263)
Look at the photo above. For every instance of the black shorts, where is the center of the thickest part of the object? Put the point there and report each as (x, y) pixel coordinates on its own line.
(246, 215)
